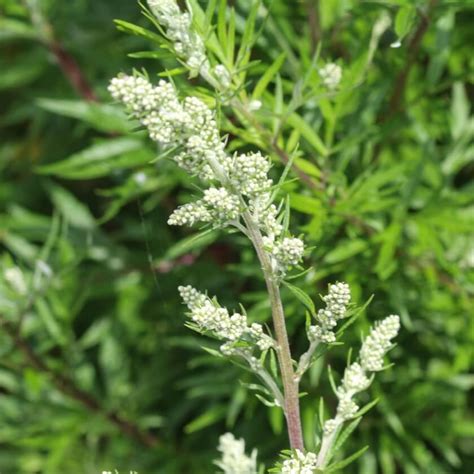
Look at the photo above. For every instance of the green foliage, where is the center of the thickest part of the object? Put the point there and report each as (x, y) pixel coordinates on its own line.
(96, 370)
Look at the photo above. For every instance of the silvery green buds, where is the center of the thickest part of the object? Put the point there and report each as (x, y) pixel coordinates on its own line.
(233, 458)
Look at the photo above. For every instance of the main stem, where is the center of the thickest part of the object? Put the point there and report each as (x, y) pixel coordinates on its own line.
(290, 384)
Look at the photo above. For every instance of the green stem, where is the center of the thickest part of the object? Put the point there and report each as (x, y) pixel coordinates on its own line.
(290, 384)
(267, 379)
(326, 446)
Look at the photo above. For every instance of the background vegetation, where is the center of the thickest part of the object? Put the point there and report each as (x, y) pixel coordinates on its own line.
(96, 368)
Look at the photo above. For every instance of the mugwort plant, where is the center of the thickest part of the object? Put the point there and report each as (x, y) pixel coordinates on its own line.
(237, 194)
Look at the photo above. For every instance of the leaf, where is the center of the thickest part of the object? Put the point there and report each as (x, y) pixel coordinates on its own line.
(345, 250)
(331, 380)
(15, 29)
(308, 167)
(208, 418)
(72, 210)
(367, 407)
(160, 54)
(268, 76)
(404, 20)
(386, 262)
(308, 133)
(102, 117)
(302, 296)
(248, 39)
(306, 204)
(132, 29)
(100, 159)
(342, 438)
(49, 321)
(459, 110)
(345, 462)
(192, 243)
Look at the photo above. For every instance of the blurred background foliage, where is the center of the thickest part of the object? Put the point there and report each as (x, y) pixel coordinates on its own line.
(96, 368)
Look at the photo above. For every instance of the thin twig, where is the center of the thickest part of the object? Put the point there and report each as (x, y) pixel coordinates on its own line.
(314, 24)
(66, 61)
(68, 387)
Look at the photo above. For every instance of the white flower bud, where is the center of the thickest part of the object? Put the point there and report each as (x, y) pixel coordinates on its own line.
(208, 316)
(355, 378)
(331, 75)
(337, 299)
(378, 342)
(15, 278)
(233, 459)
(300, 463)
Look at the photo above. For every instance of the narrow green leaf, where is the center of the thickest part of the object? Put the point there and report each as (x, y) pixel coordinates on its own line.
(308, 133)
(72, 210)
(342, 438)
(189, 244)
(103, 117)
(367, 407)
(331, 380)
(100, 159)
(404, 20)
(345, 462)
(208, 418)
(268, 76)
(136, 30)
(302, 296)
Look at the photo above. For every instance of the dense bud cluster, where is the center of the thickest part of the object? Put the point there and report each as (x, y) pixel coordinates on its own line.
(250, 173)
(331, 75)
(217, 206)
(299, 463)
(378, 342)
(187, 43)
(355, 379)
(209, 316)
(233, 458)
(337, 300)
(190, 126)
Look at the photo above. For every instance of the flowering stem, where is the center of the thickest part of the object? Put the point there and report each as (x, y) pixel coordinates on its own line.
(326, 446)
(267, 379)
(290, 385)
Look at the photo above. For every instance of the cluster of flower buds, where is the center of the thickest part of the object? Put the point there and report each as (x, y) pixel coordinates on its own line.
(233, 458)
(299, 463)
(190, 127)
(285, 253)
(187, 43)
(208, 316)
(356, 378)
(218, 207)
(331, 75)
(337, 300)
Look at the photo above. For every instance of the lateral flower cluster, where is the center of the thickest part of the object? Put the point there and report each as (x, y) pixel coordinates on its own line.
(210, 317)
(331, 75)
(233, 459)
(356, 376)
(299, 463)
(237, 183)
(187, 43)
(337, 300)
